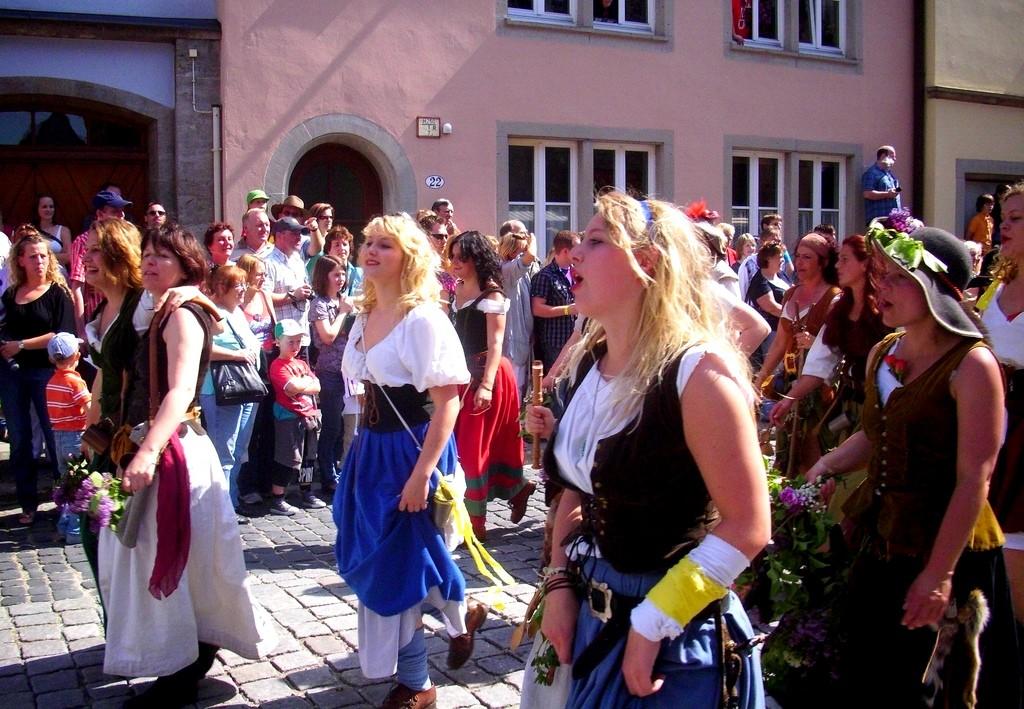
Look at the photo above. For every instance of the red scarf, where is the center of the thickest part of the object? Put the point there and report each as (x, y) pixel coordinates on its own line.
(173, 520)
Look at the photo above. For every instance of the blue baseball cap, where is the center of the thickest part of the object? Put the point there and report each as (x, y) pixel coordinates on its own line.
(62, 345)
(109, 199)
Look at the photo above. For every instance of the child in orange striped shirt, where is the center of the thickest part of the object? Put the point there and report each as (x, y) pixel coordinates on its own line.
(67, 400)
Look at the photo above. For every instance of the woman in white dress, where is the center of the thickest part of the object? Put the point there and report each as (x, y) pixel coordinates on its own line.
(180, 593)
(405, 350)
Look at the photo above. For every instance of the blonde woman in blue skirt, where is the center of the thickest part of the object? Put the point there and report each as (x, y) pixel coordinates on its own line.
(661, 510)
(404, 349)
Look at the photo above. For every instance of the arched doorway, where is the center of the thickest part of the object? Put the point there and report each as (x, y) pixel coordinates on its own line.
(342, 177)
(68, 148)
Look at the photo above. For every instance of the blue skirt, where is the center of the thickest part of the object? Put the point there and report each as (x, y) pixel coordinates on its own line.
(390, 558)
(689, 664)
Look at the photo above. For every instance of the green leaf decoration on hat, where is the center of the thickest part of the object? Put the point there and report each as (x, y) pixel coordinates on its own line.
(904, 249)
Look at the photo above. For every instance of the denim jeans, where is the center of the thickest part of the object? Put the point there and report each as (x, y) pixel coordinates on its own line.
(69, 443)
(230, 428)
(21, 391)
(330, 446)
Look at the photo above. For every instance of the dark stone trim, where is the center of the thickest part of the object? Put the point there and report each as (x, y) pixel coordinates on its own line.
(970, 96)
(28, 23)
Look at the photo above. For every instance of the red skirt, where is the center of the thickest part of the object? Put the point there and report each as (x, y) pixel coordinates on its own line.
(490, 448)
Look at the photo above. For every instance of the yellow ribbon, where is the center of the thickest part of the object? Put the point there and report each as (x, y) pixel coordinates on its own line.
(986, 298)
(485, 563)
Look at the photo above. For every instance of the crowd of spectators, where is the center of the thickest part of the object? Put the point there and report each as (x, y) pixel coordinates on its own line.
(447, 323)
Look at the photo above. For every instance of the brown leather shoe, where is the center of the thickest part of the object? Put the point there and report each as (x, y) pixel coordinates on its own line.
(401, 697)
(518, 503)
(460, 648)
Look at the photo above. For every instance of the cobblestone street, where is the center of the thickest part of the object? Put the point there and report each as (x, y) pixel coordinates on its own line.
(51, 636)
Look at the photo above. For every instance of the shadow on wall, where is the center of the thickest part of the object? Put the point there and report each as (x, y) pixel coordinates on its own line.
(283, 13)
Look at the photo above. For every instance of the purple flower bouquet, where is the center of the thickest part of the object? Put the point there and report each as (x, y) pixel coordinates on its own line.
(798, 582)
(96, 495)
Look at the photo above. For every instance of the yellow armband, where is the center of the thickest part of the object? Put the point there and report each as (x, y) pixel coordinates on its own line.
(684, 592)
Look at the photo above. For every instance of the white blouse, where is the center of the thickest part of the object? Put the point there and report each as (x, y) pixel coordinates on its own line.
(1006, 336)
(422, 350)
(489, 306)
(590, 418)
(821, 359)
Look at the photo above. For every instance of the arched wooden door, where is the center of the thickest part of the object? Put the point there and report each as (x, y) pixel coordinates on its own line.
(68, 148)
(342, 177)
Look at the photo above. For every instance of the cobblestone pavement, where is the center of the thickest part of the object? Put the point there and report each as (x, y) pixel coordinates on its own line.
(51, 637)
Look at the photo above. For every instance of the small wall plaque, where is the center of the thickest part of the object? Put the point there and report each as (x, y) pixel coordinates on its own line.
(428, 127)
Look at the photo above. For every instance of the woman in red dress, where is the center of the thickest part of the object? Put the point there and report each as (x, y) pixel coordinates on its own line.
(487, 430)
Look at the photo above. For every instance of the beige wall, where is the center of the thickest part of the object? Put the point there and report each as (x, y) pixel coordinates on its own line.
(976, 44)
(971, 45)
(957, 130)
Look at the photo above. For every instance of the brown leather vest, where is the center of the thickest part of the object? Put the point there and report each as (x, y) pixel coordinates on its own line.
(814, 318)
(912, 471)
(137, 409)
(650, 505)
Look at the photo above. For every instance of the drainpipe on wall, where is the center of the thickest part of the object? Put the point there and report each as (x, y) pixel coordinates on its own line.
(217, 150)
(218, 184)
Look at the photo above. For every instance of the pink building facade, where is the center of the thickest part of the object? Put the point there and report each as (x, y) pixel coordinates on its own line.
(521, 108)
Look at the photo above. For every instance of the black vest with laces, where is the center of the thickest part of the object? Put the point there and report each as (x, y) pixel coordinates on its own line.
(650, 505)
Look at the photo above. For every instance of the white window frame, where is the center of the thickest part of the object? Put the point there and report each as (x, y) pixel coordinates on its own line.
(622, 24)
(815, 46)
(620, 163)
(754, 207)
(816, 208)
(540, 228)
(538, 14)
(755, 30)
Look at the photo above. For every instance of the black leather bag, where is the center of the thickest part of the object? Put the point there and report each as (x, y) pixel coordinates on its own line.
(237, 382)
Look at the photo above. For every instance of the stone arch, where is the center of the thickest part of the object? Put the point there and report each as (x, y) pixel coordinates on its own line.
(161, 120)
(380, 148)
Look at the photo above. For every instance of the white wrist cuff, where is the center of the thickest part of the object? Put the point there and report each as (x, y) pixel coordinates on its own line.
(720, 560)
(648, 620)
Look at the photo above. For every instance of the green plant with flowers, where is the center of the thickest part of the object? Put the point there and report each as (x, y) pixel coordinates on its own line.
(798, 582)
(797, 566)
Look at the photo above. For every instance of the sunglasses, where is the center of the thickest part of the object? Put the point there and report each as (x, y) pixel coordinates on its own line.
(289, 213)
(439, 237)
(155, 213)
